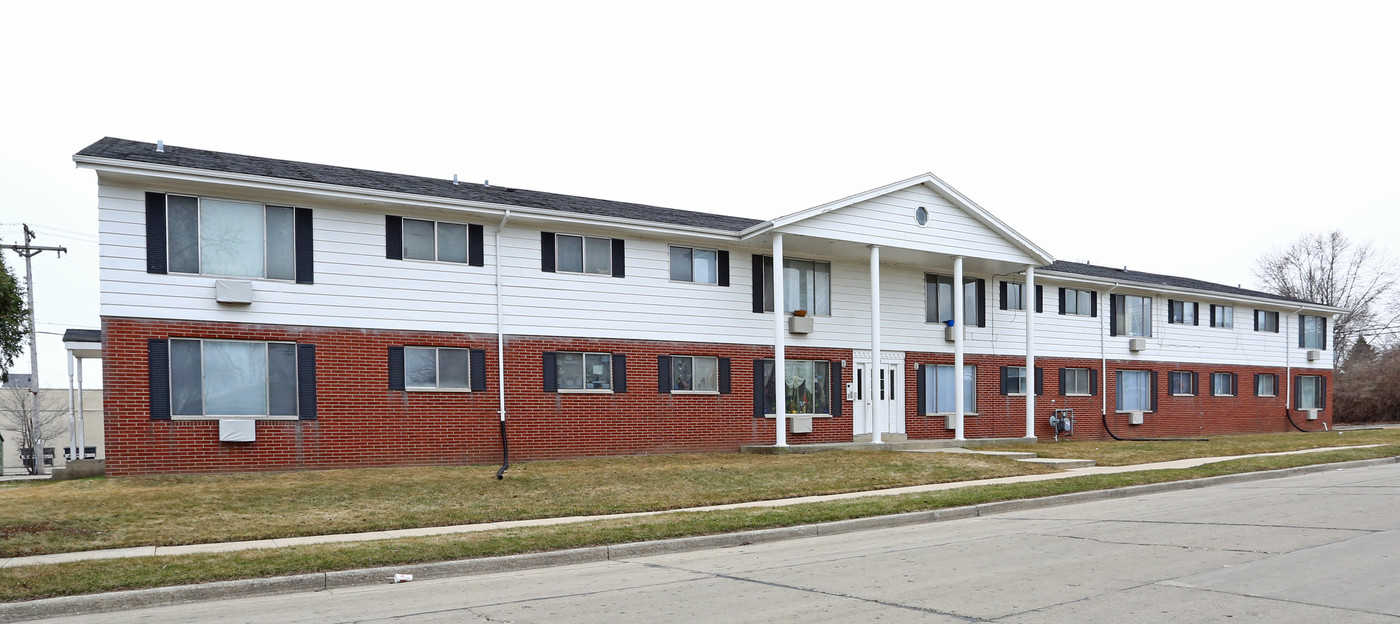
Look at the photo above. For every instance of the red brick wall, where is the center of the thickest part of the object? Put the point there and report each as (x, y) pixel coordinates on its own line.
(1001, 416)
(360, 422)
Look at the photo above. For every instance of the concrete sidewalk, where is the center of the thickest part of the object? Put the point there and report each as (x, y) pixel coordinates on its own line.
(148, 551)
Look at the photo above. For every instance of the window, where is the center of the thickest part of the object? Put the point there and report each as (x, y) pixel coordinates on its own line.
(1222, 384)
(1076, 382)
(1182, 312)
(1132, 316)
(433, 240)
(940, 391)
(1013, 296)
(584, 371)
(1222, 316)
(1312, 332)
(1265, 384)
(806, 286)
(1014, 381)
(938, 300)
(700, 266)
(1080, 302)
(1182, 383)
(583, 254)
(694, 373)
(1312, 392)
(230, 238)
(1136, 390)
(807, 387)
(431, 367)
(1265, 321)
(233, 378)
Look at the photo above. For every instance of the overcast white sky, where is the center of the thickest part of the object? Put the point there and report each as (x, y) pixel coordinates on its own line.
(1182, 138)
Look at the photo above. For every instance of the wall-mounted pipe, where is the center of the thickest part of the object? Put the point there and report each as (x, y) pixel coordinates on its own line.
(501, 353)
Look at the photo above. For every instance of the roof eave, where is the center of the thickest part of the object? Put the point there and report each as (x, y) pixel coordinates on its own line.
(1195, 292)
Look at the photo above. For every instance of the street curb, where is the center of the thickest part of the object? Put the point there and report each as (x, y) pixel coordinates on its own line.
(249, 588)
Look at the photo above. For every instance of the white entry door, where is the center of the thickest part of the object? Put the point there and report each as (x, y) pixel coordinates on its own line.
(879, 391)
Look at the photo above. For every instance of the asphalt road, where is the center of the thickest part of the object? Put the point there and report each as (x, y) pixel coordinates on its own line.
(1315, 548)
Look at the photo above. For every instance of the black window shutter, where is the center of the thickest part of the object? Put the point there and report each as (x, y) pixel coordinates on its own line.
(619, 258)
(1006, 380)
(1154, 390)
(393, 237)
(155, 239)
(1039, 381)
(1171, 311)
(1062, 300)
(1278, 324)
(1093, 382)
(1256, 383)
(1234, 384)
(1256, 320)
(758, 386)
(1298, 392)
(1093, 303)
(1039, 299)
(550, 371)
(1212, 315)
(1001, 292)
(981, 302)
(663, 374)
(306, 380)
(1062, 382)
(158, 376)
(1196, 384)
(921, 390)
(396, 381)
(724, 376)
(1195, 313)
(837, 396)
(1113, 314)
(547, 253)
(478, 366)
(1302, 340)
(758, 286)
(476, 244)
(619, 366)
(1324, 332)
(723, 268)
(305, 255)
(1322, 393)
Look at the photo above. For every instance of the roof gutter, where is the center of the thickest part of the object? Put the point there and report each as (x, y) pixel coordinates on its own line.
(1075, 278)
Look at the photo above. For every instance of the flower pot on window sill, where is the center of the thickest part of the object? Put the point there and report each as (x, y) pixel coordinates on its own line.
(800, 325)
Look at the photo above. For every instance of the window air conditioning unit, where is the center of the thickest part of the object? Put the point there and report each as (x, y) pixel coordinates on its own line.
(1312, 414)
(1314, 355)
(1135, 418)
(1137, 344)
(950, 422)
(800, 325)
(801, 424)
(950, 333)
(238, 430)
(233, 291)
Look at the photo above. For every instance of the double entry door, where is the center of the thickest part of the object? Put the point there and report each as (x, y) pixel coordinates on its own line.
(878, 394)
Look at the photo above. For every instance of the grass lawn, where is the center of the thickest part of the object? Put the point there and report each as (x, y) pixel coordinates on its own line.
(1114, 453)
(31, 582)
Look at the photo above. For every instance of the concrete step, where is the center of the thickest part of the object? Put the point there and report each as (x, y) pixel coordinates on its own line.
(1062, 464)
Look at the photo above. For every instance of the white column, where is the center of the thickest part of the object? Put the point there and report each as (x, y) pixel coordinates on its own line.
(72, 431)
(1027, 302)
(875, 402)
(958, 395)
(81, 438)
(779, 345)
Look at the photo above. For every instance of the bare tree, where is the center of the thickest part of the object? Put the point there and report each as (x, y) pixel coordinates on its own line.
(1328, 268)
(16, 410)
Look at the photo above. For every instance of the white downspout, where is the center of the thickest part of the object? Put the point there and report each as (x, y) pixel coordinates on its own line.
(500, 335)
(875, 361)
(959, 293)
(1026, 296)
(1103, 353)
(779, 346)
(1287, 363)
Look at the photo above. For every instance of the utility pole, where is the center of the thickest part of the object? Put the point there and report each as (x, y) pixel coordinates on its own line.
(29, 251)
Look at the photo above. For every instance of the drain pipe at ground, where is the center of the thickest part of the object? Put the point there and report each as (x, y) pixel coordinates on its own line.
(501, 353)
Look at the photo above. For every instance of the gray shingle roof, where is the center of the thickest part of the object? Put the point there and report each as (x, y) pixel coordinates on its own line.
(1155, 279)
(82, 335)
(137, 151)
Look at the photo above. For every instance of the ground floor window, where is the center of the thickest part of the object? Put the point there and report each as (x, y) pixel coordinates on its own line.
(430, 367)
(1076, 382)
(807, 387)
(941, 391)
(232, 378)
(1311, 391)
(1182, 383)
(1222, 384)
(694, 374)
(584, 371)
(1135, 391)
(1266, 385)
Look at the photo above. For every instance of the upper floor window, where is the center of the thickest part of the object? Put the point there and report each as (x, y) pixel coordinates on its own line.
(1265, 321)
(1222, 316)
(938, 300)
(435, 241)
(1312, 332)
(1079, 302)
(1013, 296)
(701, 266)
(1132, 316)
(230, 238)
(806, 286)
(590, 255)
(1182, 312)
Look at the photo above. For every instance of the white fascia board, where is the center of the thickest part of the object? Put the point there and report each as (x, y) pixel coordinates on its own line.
(525, 213)
(1074, 278)
(935, 184)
